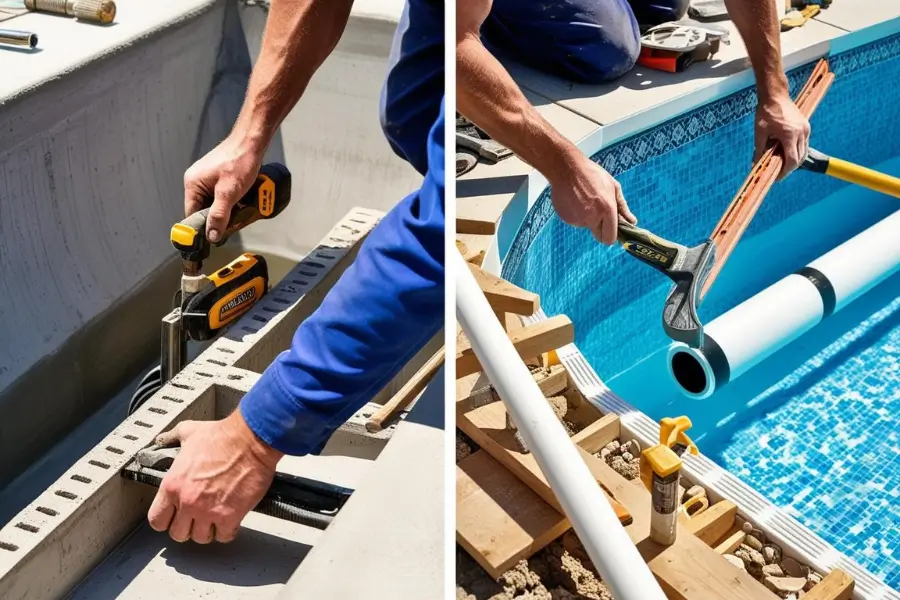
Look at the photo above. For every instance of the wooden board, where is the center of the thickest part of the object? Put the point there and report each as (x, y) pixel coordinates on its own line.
(687, 570)
(473, 247)
(837, 585)
(503, 296)
(486, 426)
(529, 341)
(499, 520)
(598, 434)
(731, 541)
(475, 225)
(714, 522)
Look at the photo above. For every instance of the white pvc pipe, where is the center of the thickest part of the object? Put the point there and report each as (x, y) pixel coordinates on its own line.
(754, 330)
(611, 550)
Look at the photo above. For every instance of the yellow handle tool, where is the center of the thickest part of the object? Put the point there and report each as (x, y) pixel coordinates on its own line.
(818, 162)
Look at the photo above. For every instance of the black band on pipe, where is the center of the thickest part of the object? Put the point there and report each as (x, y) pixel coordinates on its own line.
(826, 290)
(717, 360)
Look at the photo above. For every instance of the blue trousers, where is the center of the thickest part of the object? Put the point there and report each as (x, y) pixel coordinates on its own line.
(587, 41)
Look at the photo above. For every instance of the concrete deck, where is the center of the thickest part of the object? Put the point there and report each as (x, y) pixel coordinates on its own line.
(389, 540)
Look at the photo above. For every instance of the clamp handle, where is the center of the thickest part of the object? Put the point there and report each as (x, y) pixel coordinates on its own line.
(672, 434)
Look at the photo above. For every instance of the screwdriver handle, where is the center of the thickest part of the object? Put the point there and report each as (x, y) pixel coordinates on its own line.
(266, 199)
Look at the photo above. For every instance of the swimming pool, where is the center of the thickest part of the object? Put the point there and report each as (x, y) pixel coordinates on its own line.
(815, 428)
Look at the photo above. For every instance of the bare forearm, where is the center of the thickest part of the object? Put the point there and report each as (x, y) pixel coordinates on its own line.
(757, 22)
(488, 96)
(299, 36)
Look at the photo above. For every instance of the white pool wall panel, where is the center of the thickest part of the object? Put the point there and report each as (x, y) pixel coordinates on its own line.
(757, 328)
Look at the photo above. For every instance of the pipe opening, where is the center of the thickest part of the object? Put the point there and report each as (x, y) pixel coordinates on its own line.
(689, 373)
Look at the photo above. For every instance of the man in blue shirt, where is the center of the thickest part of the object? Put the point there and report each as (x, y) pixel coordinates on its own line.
(387, 305)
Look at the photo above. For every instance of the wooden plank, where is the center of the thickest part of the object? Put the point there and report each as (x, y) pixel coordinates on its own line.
(714, 522)
(554, 383)
(486, 425)
(503, 296)
(687, 570)
(476, 225)
(473, 247)
(598, 434)
(529, 341)
(837, 585)
(731, 541)
(409, 392)
(499, 520)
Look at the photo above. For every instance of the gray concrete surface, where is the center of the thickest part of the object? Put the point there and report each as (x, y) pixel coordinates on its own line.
(255, 566)
(388, 540)
(97, 129)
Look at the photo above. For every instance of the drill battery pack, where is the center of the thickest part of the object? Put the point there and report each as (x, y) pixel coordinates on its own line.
(226, 295)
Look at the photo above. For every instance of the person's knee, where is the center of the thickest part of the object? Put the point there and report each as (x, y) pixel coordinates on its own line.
(581, 40)
(607, 58)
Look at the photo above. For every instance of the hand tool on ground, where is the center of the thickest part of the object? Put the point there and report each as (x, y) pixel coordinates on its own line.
(206, 305)
(661, 475)
(292, 498)
(472, 144)
(817, 162)
(693, 270)
(13, 37)
(96, 11)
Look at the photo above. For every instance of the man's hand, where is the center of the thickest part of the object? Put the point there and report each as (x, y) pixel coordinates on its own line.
(224, 174)
(589, 197)
(781, 120)
(221, 473)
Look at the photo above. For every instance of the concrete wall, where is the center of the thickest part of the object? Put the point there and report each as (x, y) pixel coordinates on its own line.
(95, 142)
(91, 162)
(332, 141)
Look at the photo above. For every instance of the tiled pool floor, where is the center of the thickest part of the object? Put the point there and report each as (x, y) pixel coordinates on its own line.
(823, 441)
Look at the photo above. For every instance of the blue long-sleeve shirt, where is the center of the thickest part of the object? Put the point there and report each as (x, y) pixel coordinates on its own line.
(384, 308)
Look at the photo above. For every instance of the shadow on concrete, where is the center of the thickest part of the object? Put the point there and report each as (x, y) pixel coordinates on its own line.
(489, 186)
(151, 561)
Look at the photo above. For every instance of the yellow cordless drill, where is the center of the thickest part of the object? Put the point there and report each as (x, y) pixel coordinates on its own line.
(208, 304)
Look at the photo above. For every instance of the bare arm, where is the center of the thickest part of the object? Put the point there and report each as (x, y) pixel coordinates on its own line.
(776, 117)
(487, 95)
(584, 194)
(299, 36)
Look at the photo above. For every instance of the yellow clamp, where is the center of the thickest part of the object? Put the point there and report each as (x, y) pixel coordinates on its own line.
(662, 459)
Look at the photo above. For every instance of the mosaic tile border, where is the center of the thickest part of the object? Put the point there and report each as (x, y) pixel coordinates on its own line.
(675, 133)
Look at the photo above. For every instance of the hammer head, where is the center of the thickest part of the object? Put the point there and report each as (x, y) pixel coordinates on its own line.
(680, 320)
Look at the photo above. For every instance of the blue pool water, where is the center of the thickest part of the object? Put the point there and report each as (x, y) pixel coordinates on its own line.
(816, 427)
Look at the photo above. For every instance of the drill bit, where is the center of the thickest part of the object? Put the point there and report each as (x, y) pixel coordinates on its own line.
(97, 11)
